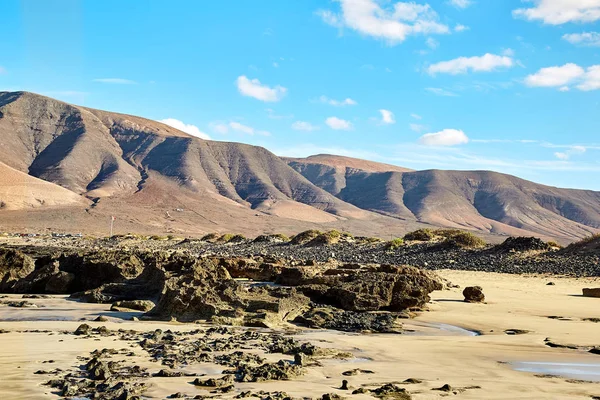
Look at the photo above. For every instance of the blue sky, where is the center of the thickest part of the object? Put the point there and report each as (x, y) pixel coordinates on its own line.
(512, 86)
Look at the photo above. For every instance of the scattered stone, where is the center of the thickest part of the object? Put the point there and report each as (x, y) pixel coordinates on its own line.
(344, 385)
(281, 370)
(516, 331)
(357, 371)
(474, 294)
(444, 388)
(101, 318)
(83, 329)
(225, 381)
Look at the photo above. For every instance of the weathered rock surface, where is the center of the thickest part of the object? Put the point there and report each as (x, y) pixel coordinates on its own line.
(176, 285)
(593, 292)
(474, 294)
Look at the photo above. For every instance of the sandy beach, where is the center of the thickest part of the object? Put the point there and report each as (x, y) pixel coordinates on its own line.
(432, 352)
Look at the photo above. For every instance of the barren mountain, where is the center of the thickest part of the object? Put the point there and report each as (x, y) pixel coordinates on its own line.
(475, 200)
(77, 166)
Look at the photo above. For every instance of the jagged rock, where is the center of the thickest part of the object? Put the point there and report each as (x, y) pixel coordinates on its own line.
(226, 380)
(393, 288)
(350, 321)
(520, 244)
(14, 266)
(140, 305)
(83, 329)
(474, 294)
(281, 370)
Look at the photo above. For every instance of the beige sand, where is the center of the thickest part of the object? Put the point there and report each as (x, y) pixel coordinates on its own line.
(513, 302)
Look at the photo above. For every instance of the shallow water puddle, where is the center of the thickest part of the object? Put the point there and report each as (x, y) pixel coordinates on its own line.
(419, 328)
(582, 371)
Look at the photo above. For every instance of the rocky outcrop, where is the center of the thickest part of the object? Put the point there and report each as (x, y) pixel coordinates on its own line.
(14, 266)
(171, 285)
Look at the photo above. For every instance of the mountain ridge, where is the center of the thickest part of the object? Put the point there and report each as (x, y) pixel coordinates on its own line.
(123, 163)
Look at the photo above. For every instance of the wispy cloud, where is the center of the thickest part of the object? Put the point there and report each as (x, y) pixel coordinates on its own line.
(338, 124)
(273, 115)
(187, 128)
(387, 117)
(460, 3)
(115, 81)
(248, 130)
(253, 88)
(445, 137)
(223, 128)
(304, 126)
(392, 24)
(558, 12)
(583, 39)
(337, 103)
(417, 127)
(486, 63)
(441, 92)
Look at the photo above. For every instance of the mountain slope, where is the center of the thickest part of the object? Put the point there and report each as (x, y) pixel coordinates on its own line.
(100, 154)
(156, 178)
(476, 200)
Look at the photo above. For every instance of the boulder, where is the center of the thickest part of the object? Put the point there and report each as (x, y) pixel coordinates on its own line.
(139, 305)
(474, 294)
(593, 292)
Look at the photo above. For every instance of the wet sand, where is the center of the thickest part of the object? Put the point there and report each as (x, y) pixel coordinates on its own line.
(441, 350)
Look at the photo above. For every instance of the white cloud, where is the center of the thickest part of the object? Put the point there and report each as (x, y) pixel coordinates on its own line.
(564, 89)
(571, 151)
(460, 3)
(441, 92)
(446, 137)
(304, 126)
(393, 23)
(338, 124)
(584, 39)
(236, 126)
(338, 103)
(461, 28)
(417, 127)
(555, 76)
(558, 12)
(416, 116)
(219, 127)
(387, 117)
(585, 80)
(253, 88)
(487, 62)
(189, 129)
(116, 81)
(2, 70)
(432, 43)
(275, 65)
(591, 79)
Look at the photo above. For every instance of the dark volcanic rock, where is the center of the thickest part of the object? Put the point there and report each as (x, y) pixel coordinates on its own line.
(513, 244)
(350, 321)
(474, 294)
(594, 292)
